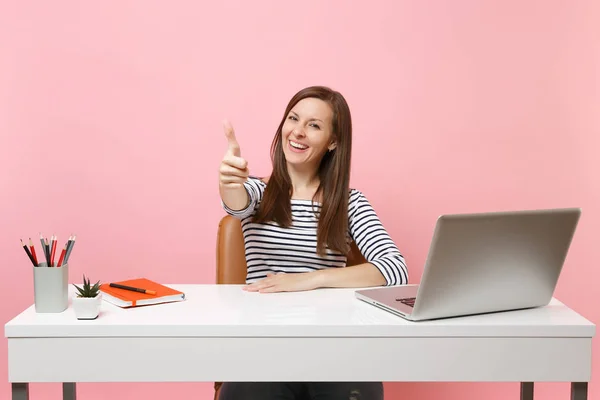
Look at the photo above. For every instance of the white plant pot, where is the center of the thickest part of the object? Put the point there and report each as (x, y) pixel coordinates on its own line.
(87, 307)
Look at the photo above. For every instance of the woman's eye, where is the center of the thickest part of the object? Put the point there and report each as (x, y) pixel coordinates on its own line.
(315, 126)
(292, 118)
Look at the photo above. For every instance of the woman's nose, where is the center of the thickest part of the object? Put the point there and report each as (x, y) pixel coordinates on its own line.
(298, 132)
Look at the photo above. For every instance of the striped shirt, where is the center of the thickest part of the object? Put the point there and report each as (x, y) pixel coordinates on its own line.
(272, 248)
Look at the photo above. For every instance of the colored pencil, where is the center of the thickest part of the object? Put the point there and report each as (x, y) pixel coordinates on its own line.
(53, 249)
(35, 260)
(28, 253)
(62, 256)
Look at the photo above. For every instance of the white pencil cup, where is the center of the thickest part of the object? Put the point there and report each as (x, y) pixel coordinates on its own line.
(50, 288)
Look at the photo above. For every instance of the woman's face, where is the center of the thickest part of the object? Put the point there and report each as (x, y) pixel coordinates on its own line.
(307, 133)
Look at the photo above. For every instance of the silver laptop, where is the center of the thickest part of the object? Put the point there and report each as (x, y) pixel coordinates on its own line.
(483, 263)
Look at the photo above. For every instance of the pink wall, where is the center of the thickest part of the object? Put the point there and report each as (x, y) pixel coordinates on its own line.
(110, 128)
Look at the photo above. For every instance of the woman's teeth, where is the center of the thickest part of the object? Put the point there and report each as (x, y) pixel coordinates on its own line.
(298, 145)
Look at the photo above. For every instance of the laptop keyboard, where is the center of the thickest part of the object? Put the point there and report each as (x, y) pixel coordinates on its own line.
(409, 301)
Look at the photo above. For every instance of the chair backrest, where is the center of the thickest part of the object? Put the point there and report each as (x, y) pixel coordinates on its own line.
(231, 259)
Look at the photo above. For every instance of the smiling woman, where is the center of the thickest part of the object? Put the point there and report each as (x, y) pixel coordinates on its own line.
(298, 224)
(303, 218)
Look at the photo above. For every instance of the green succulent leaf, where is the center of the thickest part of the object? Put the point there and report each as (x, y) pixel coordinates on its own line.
(88, 290)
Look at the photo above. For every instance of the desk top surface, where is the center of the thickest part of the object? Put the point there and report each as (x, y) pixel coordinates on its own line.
(228, 311)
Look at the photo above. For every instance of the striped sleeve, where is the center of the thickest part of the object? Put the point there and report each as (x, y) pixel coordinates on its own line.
(255, 189)
(374, 242)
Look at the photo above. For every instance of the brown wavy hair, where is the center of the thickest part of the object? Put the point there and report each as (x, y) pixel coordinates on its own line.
(334, 176)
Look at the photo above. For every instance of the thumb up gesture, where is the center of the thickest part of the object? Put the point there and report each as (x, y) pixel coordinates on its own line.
(233, 171)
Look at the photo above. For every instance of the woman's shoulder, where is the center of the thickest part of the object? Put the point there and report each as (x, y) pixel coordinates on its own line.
(354, 195)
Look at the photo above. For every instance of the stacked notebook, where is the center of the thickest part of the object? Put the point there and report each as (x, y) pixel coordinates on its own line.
(128, 298)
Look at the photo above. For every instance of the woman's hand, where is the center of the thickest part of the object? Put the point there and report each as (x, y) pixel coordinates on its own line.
(233, 172)
(282, 282)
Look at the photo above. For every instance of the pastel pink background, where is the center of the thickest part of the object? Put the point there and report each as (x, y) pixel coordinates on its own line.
(110, 124)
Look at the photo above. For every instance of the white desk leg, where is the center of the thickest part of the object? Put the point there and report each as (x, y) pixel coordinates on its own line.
(579, 390)
(526, 390)
(20, 391)
(69, 391)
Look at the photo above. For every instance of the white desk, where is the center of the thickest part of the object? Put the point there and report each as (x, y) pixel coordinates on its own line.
(222, 333)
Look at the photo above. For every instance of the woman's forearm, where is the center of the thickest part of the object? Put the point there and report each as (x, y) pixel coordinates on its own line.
(235, 198)
(362, 275)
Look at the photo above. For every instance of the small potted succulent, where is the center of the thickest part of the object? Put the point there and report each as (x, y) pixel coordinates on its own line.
(87, 302)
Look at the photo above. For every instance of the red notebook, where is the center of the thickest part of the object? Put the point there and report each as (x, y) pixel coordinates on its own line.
(128, 298)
